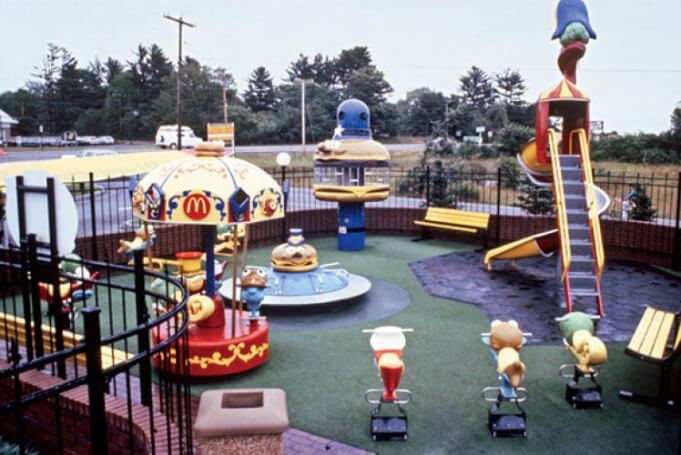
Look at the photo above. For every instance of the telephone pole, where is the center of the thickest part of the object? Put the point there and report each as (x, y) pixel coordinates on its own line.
(302, 111)
(178, 108)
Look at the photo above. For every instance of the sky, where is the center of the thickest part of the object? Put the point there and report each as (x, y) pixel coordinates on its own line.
(632, 72)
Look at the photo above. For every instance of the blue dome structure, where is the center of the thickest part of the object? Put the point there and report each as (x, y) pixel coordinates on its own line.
(353, 120)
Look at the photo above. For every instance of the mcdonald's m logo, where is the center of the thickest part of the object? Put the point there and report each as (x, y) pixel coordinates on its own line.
(196, 206)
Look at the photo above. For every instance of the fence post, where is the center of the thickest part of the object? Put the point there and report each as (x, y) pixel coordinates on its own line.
(143, 335)
(95, 380)
(428, 186)
(676, 255)
(36, 311)
(93, 214)
(498, 223)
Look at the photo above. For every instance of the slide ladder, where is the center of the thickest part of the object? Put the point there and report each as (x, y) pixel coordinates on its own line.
(581, 243)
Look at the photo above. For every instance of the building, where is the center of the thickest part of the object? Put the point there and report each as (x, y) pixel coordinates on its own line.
(6, 122)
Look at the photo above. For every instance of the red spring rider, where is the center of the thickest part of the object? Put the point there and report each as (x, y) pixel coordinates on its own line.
(388, 343)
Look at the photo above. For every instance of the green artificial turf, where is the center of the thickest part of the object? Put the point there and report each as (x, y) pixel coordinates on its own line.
(325, 373)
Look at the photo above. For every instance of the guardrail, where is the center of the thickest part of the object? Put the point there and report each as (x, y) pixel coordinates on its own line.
(561, 209)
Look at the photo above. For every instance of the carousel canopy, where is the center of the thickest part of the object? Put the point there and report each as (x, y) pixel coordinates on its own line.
(208, 188)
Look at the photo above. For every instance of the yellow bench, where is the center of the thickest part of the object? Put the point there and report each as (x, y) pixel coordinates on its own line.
(455, 220)
(656, 340)
(15, 326)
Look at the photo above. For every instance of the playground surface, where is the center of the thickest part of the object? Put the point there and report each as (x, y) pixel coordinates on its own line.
(530, 292)
(325, 372)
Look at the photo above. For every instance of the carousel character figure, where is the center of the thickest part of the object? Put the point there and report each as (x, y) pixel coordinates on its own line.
(253, 284)
(295, 255)
(142, 235)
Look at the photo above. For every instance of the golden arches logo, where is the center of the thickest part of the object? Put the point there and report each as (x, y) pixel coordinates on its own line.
(196, 206)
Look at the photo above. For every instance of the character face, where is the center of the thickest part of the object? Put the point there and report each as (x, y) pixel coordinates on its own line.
(505, 335)
(298, 258)
(252, 295)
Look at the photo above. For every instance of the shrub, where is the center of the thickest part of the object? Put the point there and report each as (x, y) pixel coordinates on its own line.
(641, 208)
(536, 200)
(510, 172)
(511, 138)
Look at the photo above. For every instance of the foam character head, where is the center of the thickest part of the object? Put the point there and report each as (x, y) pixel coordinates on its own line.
(569, 12)
(573, 322)
(505, 334)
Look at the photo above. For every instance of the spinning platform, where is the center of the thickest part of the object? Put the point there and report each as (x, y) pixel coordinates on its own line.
(303, 289)
(215, 352)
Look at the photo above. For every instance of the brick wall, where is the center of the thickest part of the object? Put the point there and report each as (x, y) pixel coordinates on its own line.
(40, 419)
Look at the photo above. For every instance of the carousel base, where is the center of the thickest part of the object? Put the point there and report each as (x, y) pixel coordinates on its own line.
(218, 352)
(356, 286)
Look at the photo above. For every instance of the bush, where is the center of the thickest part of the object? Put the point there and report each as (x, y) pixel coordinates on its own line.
(657, 156)
(536, 200)
(510, 172)
(511, 138)
(641, 206)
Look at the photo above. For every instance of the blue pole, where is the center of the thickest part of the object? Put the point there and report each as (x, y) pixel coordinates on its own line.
(209, 245)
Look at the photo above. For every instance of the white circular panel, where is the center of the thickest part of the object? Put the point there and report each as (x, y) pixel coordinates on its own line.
(36, 209)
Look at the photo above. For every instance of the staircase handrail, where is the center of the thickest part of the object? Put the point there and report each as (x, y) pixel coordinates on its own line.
(561, 209)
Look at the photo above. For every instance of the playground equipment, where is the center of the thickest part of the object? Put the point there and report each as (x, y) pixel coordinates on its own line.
(505, 339)
(566, 166)
(388, 342)
(351, 169)
(253, 284)
(578, 336)
(210, 189)
(295, 278)
(72, 290)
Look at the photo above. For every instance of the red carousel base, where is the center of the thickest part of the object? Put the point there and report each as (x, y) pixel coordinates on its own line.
(215, 352)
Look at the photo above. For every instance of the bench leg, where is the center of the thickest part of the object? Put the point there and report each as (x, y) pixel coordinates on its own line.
(662, 399)
(422, 237)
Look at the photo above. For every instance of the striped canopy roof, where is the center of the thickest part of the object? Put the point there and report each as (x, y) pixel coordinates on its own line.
(564, 91)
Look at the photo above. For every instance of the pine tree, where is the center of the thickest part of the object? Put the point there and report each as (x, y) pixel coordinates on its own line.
(641, 208)
(260, 93)
(510, 86)
(476, 89)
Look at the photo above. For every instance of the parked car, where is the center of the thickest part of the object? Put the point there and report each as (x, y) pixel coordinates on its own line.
(104, 140)
(86, 140)
(166, 137)
(95, 152)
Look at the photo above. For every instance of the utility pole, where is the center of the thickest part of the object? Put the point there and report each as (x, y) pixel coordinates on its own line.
(224, 101)
(446, 118)
(302, 112)
(178, 109)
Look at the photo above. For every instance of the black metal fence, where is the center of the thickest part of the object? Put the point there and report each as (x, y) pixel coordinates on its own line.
(76, 355)
(105, 213)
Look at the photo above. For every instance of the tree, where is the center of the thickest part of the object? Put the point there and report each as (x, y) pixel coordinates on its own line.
(260, 93)
(112, 68)
(369, 85)
(477, 89)
(510, 87)
(511, 138)
(300, 69)
(420, 110)
(349, 61)
(48, 75)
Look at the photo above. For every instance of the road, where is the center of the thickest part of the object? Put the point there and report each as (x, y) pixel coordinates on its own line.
(137, 147)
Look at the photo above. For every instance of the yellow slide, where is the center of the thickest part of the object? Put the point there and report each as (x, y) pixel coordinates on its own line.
(544, 243)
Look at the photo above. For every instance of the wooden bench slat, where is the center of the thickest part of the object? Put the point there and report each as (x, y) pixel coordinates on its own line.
(663, 336)
(678, 337)
(447, 226)
(641, 330)
(652, 334)
(456, 222)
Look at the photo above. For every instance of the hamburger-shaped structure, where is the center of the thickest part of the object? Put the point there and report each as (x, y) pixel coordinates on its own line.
(295, 278)
(351, 169)
(210, 189)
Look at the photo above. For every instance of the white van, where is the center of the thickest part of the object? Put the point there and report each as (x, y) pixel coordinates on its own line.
(166, 137)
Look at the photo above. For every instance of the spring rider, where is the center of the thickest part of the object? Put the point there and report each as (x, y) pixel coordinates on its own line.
(505, 339)
(388, 342)
(577, 329)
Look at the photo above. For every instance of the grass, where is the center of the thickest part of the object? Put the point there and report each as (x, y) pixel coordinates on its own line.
(325, 373)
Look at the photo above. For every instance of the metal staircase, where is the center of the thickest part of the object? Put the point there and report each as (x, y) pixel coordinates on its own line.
(582, 283)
